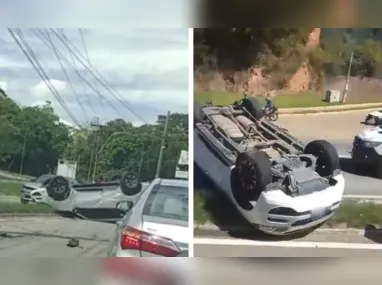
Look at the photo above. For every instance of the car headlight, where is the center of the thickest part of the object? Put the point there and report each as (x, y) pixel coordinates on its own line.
(371, 144)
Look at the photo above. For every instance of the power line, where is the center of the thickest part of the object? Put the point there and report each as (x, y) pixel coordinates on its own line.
(31, 57)
(47, 80)
(75, 67)
(67, 76)
(43, 38)
(86, 52)
(101, 78)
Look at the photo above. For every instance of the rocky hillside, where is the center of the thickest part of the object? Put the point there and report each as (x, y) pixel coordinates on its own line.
(291, 60)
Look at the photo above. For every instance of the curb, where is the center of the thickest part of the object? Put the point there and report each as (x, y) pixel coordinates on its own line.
(212, 227)
(28, 215)
(329, 109)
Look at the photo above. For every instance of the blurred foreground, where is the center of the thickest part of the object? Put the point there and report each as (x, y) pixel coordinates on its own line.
(200, 271)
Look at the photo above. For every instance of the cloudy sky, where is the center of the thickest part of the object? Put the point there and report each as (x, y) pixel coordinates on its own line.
(147, 67)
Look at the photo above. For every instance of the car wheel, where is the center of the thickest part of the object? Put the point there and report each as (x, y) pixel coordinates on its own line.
(58, 188)
(253, 173)
(327, 157)
(198, 113)
(273, 116)
(253, 106)
(130, 184)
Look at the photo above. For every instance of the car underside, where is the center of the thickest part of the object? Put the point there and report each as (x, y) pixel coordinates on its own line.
(264, 155)
(97, 201)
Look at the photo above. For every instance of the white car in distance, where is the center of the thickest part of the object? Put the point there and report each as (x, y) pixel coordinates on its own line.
(156, 225)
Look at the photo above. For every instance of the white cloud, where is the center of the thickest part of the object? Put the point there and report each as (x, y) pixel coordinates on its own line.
(3, 85)
(98, 13)
(41, 90)
(147, 67)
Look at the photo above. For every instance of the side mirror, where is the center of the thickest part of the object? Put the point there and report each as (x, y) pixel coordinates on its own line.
(124, 206)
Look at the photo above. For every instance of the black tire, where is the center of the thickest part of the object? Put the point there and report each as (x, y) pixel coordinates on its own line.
(58, 188)
(252, 174)
(327, 157)
(273, 116)
(378, 170)
(198, 113)
(253, 106)
(130, 184)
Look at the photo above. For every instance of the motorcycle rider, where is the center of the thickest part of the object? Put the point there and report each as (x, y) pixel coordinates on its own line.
(268, 103)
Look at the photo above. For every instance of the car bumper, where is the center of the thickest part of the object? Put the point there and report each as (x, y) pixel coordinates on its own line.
(26, 195)
(279, 214)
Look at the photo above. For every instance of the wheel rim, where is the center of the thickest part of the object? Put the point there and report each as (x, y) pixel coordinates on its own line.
(131, 180)
(247, 175)
(320, 166)
(58, 186)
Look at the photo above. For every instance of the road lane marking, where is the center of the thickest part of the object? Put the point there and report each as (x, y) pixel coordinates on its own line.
(286, 244)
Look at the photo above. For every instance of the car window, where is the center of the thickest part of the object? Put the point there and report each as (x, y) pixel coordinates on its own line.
(169, 202)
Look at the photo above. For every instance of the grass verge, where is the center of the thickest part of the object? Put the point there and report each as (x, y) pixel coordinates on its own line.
(353, 214)
(287, 100)
(10, 188)
(18, 208)
(350, 214)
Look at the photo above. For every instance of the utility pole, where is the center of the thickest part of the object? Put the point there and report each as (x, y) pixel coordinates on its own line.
(140, 162)
(162, 147)
(95, 123)
(23, 152)
(348, 79)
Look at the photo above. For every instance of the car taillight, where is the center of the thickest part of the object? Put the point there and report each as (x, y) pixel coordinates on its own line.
(134, 239)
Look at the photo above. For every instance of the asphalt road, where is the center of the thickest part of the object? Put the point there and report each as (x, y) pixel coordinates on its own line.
(321, 243)
(280, 271)
(48, 237)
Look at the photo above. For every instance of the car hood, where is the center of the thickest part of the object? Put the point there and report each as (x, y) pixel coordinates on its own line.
(371, 135)
(32, 185)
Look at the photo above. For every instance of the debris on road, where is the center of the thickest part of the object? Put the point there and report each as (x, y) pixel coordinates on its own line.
(73, 242)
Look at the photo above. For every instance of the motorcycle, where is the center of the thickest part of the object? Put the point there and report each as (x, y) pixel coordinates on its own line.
(271, 114)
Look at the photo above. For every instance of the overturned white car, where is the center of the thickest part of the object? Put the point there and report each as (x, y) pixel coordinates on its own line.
(97, 201)
(277, 184)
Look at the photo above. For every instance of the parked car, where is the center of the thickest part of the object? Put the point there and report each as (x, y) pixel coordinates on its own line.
(157, 225)
(278, 184)
(367, 150)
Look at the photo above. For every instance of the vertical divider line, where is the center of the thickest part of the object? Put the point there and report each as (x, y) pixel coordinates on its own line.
(191, 138)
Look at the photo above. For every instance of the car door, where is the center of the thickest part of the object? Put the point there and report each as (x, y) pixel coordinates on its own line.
(119, 225)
